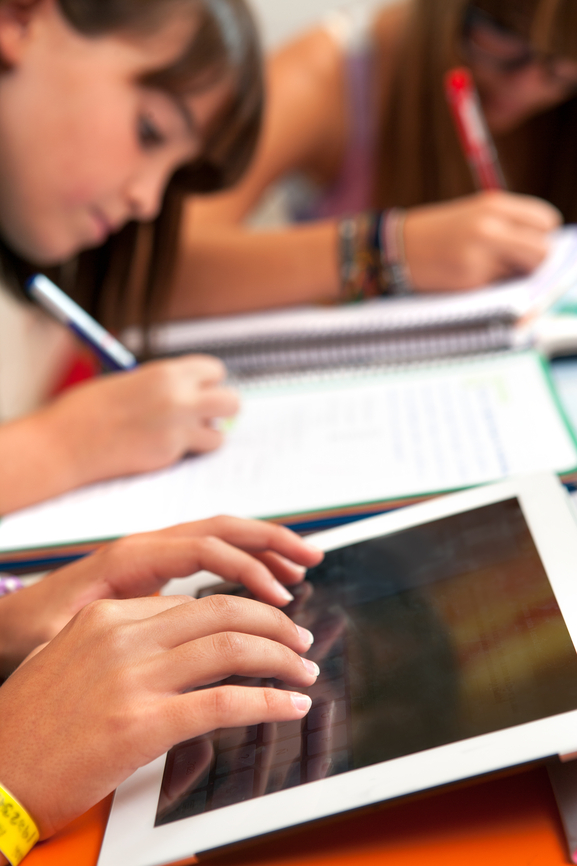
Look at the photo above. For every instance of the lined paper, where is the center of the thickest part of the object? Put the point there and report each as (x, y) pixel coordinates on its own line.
(317, 444)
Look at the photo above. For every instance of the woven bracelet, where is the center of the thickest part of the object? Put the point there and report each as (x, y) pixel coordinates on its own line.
(9, 584)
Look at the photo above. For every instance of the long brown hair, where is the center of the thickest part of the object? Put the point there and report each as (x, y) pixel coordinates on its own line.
(417, 134)
(132, 270)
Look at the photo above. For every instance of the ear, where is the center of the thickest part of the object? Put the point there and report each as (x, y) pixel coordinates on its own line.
(15, 19)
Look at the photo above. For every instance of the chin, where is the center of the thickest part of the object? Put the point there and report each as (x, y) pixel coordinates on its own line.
(45, 252)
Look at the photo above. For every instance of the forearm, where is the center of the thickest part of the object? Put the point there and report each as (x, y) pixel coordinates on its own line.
(230, 269)
(33, 463)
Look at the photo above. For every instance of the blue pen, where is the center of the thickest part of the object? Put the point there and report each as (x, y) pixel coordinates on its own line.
(109, 350)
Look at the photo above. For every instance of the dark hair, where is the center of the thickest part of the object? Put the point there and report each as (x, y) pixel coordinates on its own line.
(137, 262)
(417, 133)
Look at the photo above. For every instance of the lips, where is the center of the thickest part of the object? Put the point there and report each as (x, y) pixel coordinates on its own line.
(104, 227)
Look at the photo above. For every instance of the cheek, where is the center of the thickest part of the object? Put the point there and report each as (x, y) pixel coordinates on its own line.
(94, 158)
(527, 91)
(509, 101)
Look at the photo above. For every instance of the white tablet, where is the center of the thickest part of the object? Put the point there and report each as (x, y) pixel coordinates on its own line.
(446, 637)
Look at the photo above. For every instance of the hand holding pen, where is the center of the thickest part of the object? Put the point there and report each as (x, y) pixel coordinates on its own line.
(134, 421)
(478, 239)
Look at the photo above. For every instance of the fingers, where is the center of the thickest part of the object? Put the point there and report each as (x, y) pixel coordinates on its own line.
(204, 438)
(279, 550)
(200, 369)
(285, 572)
(226, 613)
(141, 565)
(219, 656)
(254, 536)
(523, 250)
(184, 716)
(525, 210)
(216, 403)
(210, 404)
(514, 248)
(259, 536)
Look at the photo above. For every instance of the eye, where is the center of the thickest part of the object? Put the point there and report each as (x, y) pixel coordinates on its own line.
(149, 135)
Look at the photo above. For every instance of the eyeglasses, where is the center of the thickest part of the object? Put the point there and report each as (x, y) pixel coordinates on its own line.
(507, 53)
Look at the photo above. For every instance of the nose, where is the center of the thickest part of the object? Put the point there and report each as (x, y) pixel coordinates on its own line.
(145, 191)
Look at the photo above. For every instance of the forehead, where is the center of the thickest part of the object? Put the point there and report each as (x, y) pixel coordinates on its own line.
(157, 48)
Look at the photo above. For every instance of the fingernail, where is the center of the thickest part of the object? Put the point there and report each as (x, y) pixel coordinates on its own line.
(301, 702)
(314, 549)
(283, 591)
(306, 635)
(311, 667)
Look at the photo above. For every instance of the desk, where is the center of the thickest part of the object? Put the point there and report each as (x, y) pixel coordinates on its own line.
(510, 821)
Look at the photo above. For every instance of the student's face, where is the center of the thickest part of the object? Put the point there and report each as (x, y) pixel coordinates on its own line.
(514, 83)
(84, 147)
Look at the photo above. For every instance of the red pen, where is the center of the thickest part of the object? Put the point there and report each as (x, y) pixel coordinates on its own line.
(473, 132)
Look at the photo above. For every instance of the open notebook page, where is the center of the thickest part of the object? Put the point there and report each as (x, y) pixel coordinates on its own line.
(507, 301)
(323, 443)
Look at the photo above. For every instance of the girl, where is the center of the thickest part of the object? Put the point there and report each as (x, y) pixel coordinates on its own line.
(100, 103)
(112, 690)
(357, 108)
(109, 113)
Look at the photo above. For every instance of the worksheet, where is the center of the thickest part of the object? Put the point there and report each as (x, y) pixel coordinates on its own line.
(317, 443)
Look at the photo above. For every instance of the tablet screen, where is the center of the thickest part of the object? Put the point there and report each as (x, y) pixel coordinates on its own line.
(424, 637)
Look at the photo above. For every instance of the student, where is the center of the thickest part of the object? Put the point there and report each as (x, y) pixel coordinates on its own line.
(108, 694)
(109, 114)
(357, 109)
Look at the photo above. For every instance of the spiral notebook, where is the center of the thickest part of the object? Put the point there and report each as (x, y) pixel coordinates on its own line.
(310, 448)
(377, 332)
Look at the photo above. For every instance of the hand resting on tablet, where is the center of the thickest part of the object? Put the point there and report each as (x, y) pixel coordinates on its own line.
(112, 690)
(260, 555)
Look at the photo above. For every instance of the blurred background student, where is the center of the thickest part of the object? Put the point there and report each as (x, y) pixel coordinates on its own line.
(109, 115)
(356, 109)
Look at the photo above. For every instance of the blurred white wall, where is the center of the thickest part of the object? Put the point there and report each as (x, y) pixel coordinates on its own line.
(281, 19)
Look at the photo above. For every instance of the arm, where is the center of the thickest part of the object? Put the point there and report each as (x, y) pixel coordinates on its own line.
(452, 246)
(225, 268)
(115, 425)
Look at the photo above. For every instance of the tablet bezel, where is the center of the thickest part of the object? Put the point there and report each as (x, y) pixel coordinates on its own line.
(131, 835)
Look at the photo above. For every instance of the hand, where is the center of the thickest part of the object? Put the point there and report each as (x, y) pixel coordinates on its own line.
(109, 693)
(260, 555)
(144, 419)
(481, 239)
(116, 425)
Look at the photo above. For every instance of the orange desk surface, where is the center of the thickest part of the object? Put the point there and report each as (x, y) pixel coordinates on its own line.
(510, 821)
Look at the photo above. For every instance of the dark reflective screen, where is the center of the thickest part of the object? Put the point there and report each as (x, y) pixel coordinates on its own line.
(424, 637)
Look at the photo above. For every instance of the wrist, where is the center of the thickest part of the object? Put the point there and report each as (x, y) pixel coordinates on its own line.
(372, 255)
(18, 830)
(393, 253)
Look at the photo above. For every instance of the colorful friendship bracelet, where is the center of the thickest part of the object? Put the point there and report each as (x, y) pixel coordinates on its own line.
(9, 584)
(18, 832)
(372, 255)
(393, 258)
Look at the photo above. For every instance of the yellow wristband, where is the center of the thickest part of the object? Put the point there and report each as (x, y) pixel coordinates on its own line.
(18, 832)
